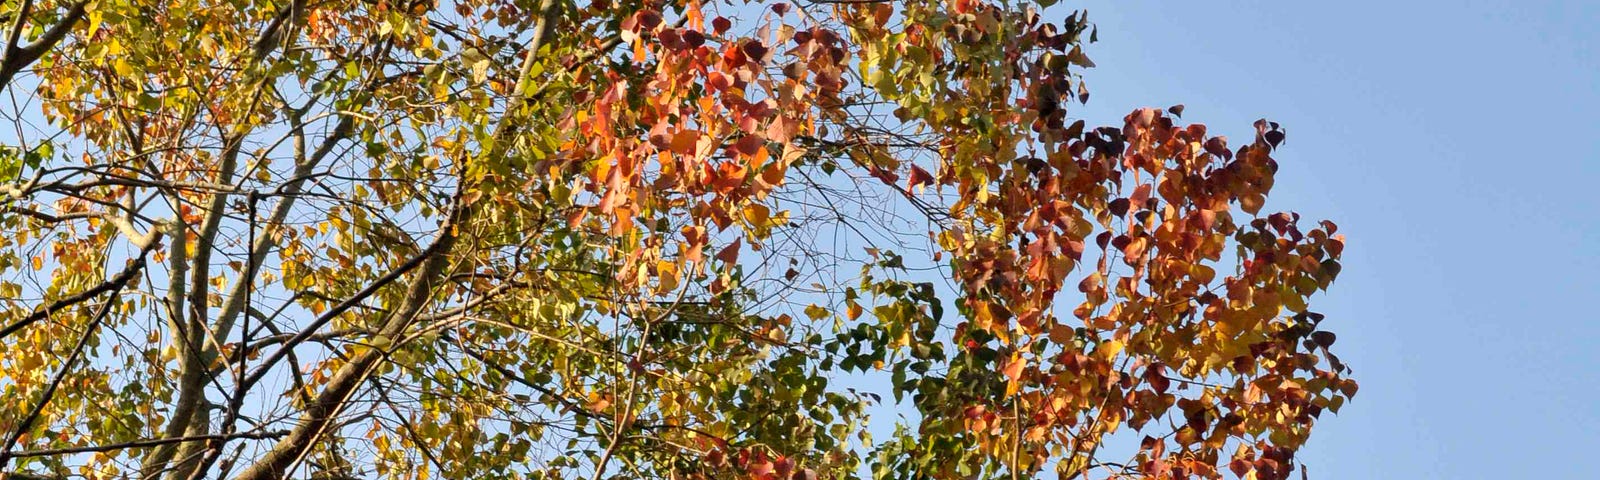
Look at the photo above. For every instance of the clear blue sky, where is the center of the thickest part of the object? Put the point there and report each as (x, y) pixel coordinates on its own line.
(1457, 146)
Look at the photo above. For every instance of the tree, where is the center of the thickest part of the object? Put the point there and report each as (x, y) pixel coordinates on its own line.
(554, 239)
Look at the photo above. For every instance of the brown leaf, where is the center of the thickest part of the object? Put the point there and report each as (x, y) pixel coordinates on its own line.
(1323, 338)
(729, 254)
(1092, 282)
(1141, 194)
(1119, 207)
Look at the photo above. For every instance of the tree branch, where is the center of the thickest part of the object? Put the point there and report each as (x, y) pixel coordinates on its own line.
(18, 58)
(148, 443)
(50, 390)
(275, 464)
(115, 283)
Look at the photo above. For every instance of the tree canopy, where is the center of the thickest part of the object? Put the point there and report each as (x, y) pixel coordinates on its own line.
(265, 239)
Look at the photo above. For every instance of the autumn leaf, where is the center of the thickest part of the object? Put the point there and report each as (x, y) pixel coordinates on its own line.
(367, 239)
(918, 177)
(729, 254)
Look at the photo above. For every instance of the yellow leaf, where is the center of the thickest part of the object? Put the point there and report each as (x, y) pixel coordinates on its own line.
(1292, 300)
(94, 22)
(1109, 349)
(757, 214)
(667, 273)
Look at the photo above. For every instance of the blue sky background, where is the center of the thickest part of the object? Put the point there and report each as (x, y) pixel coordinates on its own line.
(1456, 145)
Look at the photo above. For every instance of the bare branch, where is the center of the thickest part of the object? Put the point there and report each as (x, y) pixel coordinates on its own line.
(148, 443)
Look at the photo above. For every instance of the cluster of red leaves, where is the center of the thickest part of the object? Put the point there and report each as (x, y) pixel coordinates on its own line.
(1153, 205)
(1144, 213)
(1166, 310)
(720, 129)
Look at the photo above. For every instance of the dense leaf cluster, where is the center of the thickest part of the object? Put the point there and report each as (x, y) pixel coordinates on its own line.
(264, 239)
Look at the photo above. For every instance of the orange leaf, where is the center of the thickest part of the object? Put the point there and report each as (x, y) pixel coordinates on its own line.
(683, 142)
(694, 243)
(1013, 369)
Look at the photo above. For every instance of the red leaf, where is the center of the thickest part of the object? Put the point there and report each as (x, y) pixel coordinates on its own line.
(759, 465)
(649, 20)
(1075, 249)
(1218, 146)
(729, 176)
(1239, 467)
(918, 177)
(754, 51)
(1280, 221)
(693, 38)
(671, 39)
(885, 175)
(1156, 376)
(748, 145)
(718, 81)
